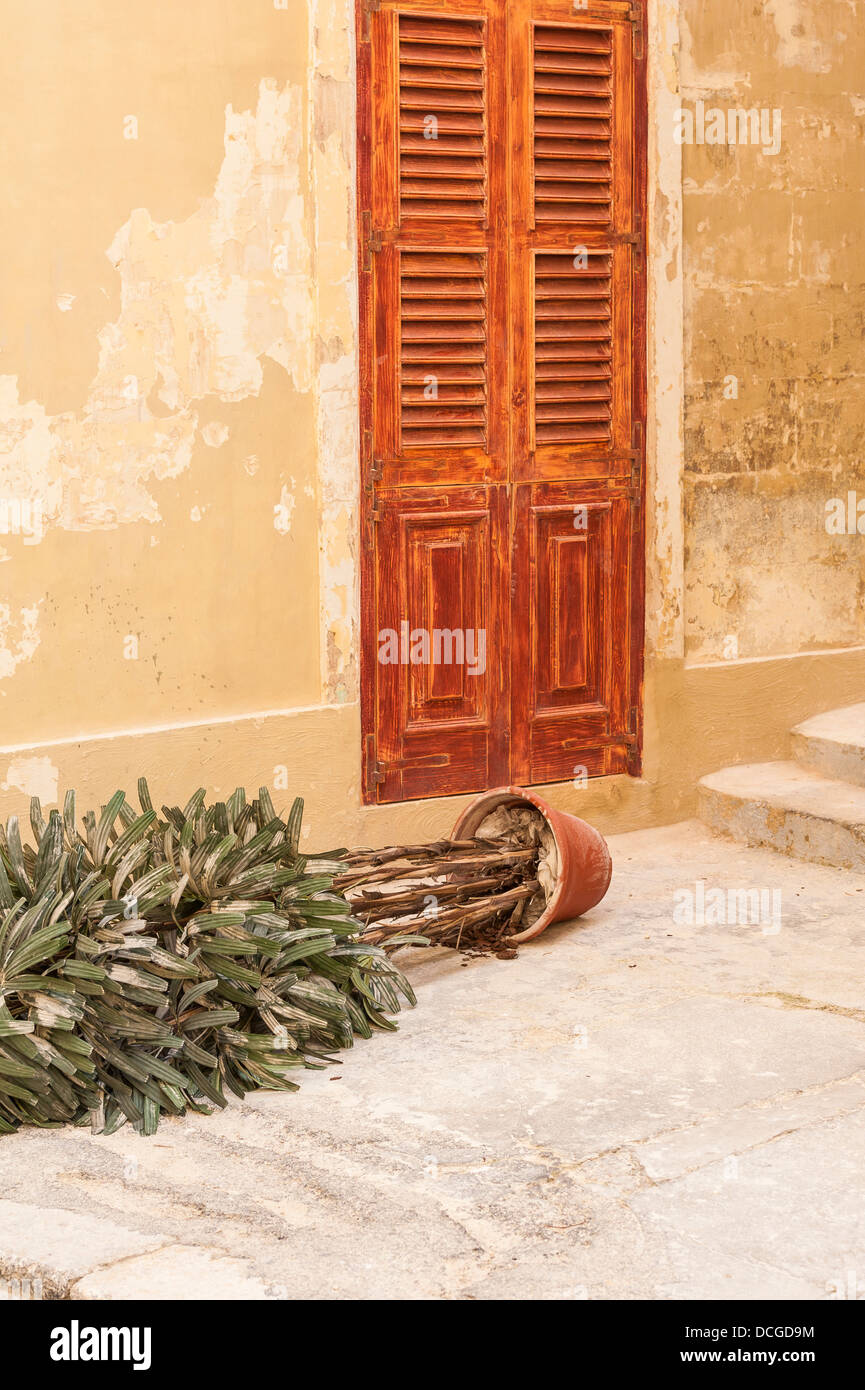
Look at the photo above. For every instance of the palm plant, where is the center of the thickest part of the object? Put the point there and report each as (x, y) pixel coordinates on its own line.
(153, 964)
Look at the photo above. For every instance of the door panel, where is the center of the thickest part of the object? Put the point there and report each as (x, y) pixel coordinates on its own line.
(576, 452)
(442, 79)
(572, 314)
(571, 568)
(440, 403)
(572, 82)
(438, 276)
(442, 665)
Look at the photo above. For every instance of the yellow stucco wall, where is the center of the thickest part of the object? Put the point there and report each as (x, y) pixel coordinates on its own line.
(171, 322)
(774, 297)
(178, 402)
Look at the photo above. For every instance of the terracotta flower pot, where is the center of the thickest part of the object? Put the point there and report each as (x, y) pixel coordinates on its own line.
(585, 866)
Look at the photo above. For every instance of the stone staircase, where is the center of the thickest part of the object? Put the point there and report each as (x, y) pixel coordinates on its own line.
(812, 807)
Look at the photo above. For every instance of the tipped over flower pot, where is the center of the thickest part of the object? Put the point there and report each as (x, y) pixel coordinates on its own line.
(574, 868)
(513, 866)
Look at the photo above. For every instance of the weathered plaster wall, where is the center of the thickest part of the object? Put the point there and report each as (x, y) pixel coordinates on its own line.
(178, 406)
(774, 297)
(177, 334)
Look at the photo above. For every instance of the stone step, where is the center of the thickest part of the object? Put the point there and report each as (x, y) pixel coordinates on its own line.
(833, 744)
(789, 808)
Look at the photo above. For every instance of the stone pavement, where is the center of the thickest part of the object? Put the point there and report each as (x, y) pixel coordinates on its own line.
(639, 1106)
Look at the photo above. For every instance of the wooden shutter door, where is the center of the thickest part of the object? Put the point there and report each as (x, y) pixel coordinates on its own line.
(576, 306)
(502, 310)
(434, 295)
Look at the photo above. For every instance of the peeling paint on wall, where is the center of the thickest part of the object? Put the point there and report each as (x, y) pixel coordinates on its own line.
(665, 559)
(332, 153)
(19, 637)
(284, 510)
(34, 777)
(774, 341)
(203, 301)
(799, 44)
(214, 434)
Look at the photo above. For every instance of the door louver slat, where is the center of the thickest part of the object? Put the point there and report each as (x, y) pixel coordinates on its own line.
(443, 352)
(573, 349)
(573, 72)
(442, 117)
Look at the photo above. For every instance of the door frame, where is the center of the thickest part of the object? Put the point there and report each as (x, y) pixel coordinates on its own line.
(368, 663)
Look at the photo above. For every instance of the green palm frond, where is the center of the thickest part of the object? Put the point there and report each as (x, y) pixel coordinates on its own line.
(151, 964)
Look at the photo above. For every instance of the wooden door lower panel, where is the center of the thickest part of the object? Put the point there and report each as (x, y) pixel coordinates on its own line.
(571, 624)
(440, 637)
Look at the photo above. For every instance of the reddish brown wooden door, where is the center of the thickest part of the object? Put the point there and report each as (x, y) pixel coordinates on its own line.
(502, 311)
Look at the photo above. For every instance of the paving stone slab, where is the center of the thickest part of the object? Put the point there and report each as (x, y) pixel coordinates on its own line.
(176, 1272)
(60, 1246)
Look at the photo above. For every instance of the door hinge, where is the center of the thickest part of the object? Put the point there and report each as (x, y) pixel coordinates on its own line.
(373, 476)
(635, 17)
(372, 241)
(635, 239)
(636, 456)
(370, 8)
(632, 734)
(373, 517)
(375, 773)
(375, 466)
